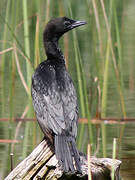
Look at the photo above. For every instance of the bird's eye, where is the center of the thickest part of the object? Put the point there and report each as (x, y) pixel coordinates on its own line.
(67, 23)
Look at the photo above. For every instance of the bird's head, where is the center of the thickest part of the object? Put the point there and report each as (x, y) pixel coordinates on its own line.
(58, 26)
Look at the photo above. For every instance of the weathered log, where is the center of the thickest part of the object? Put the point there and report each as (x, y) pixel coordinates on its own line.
(42, 164)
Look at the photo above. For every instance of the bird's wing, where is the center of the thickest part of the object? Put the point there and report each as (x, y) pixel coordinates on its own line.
(48, 107)
(70, 107)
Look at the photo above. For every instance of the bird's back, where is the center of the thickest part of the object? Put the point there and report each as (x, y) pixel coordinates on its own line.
(54, 99)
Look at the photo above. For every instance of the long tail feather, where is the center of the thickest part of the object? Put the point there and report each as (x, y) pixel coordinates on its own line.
(66, 153)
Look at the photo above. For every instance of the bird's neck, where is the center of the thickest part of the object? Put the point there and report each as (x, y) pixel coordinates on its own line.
(53, 52)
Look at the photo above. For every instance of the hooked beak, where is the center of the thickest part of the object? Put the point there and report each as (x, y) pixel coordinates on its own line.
(78, 23)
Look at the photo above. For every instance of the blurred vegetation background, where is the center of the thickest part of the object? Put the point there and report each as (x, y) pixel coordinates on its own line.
(99, 56)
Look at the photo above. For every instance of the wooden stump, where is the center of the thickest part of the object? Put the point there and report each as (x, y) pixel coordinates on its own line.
(42, 164)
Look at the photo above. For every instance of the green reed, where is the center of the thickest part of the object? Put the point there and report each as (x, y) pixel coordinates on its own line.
(4, 45)
(29, 73)
(105, 83)
(113, 157)
(118, 39)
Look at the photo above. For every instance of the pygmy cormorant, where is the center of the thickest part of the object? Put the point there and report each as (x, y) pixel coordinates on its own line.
(54, 96)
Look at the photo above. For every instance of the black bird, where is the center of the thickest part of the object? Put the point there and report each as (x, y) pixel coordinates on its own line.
(54, 96)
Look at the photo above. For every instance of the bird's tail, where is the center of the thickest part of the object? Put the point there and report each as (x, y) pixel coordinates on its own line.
(67, 153)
